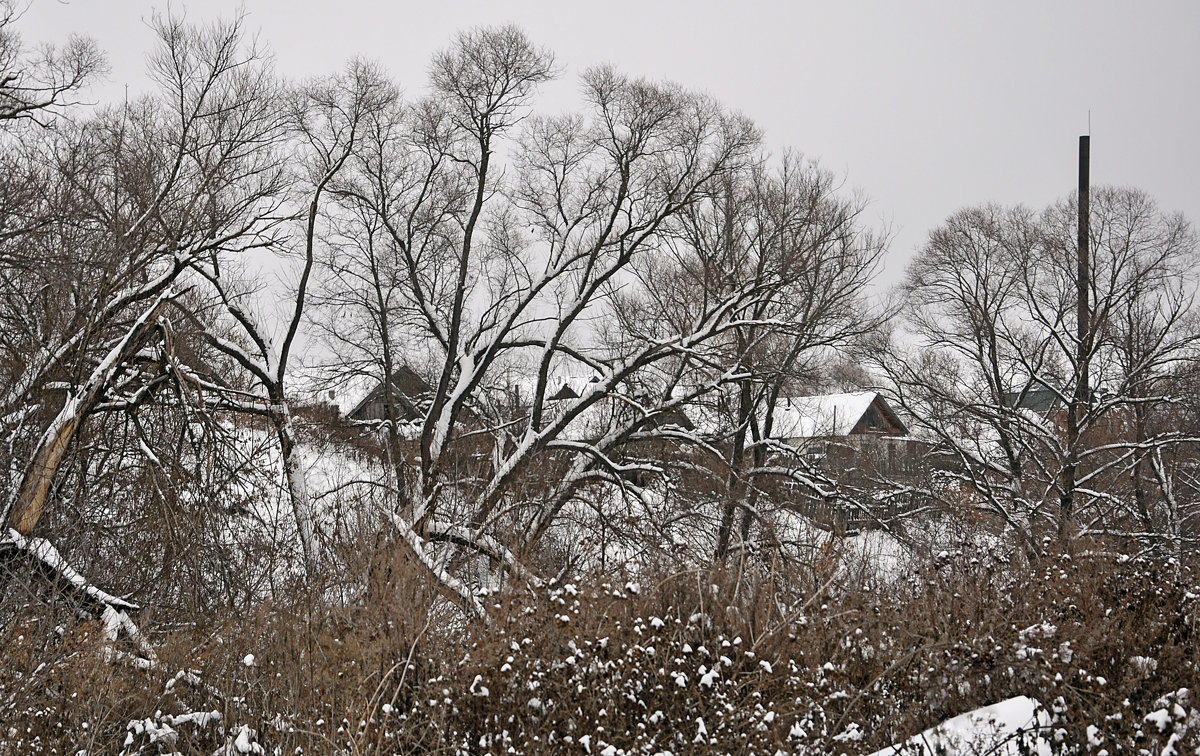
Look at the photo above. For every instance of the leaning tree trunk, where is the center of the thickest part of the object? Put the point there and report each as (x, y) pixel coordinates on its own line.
(24, 509)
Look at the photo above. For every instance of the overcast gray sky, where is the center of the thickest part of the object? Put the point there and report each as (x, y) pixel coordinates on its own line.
(924, 106)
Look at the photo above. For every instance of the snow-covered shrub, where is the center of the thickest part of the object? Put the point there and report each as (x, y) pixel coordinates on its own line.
(701, 661)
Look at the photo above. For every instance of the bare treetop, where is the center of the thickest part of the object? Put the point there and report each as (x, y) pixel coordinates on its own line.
(489, 74)
(38, 85)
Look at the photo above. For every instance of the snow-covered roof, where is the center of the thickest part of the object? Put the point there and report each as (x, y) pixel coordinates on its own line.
(823, 415)
(809, 416)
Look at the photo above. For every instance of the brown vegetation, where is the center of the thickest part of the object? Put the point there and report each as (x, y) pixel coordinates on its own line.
(769, 658)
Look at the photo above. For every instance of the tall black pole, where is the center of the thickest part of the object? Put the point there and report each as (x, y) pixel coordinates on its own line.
(1079, 403)
(1083, 278)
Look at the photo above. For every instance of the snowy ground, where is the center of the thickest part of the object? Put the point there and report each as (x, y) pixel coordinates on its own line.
(1009, 728)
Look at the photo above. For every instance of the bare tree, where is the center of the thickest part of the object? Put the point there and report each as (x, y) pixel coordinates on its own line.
(132, 199)
(37, 86)
(787, 225)
(362, 311)
(785, 231)
(993, 361)
(487, 273)
(325, 118)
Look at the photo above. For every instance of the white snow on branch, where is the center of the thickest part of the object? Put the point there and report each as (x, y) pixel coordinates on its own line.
(44, 551)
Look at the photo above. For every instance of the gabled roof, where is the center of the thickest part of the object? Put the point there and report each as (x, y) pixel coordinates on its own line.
(569, 386)
(560, 385)
(565, 392)
(823, 416)
(409, 391)
(836, 415)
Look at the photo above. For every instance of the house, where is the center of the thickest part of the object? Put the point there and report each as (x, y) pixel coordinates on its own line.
(619, 407)
(861, 441)
(410, 393)
(859, 413)
(797, 420)
(569, 387)
(859, 429)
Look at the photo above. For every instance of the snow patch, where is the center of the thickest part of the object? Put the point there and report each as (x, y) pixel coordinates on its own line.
(1009, 728)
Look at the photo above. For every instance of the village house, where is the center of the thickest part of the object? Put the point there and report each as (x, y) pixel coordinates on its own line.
(855, 428)
(410, 394)
(857, 439)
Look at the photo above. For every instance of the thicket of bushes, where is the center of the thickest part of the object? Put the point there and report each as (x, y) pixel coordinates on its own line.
(746, 660)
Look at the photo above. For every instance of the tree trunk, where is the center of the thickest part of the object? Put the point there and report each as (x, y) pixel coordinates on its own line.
(297, 484)
(735, 487)
(25, 509)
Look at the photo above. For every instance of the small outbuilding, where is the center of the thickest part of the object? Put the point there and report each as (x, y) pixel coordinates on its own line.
(410, 393)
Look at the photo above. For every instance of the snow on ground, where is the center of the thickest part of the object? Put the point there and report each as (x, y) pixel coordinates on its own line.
(1009, 728)
(869, 556)
(886, 557)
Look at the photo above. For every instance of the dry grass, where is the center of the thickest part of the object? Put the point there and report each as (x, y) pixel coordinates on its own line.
(695, 662)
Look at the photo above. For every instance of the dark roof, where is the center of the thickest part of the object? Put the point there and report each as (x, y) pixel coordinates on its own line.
(410, 392)
(891, 422)
(1041, 400)
(566, 392)
(674, 416)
